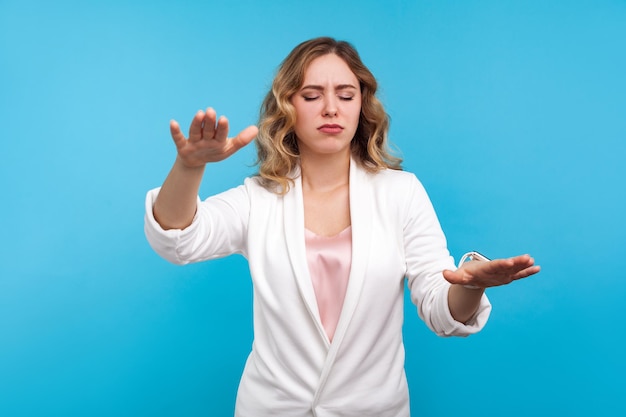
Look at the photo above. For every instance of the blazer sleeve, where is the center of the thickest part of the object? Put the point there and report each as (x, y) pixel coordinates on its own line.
(426, 256)
(219, 228)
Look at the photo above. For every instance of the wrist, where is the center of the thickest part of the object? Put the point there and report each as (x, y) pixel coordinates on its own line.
(473, 287)
(188, 166)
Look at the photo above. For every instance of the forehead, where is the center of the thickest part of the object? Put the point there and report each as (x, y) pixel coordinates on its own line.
(331, 69)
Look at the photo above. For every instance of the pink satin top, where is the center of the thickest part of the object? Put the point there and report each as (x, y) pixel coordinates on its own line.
(329, 260)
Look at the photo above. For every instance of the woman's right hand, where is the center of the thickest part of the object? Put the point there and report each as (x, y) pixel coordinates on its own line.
(208, 139)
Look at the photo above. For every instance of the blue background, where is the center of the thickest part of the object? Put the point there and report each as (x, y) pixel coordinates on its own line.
(512, 113)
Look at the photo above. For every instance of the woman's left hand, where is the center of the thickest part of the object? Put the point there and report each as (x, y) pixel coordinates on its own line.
(486, 274)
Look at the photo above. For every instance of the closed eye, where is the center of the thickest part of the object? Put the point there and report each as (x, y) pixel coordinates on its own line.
(310, 98)
(346, 98)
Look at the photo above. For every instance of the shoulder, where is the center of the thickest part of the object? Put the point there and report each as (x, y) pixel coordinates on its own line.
(259, 193)
(249, 189)
(399, 189)
(395, 175)
(256, 186)
(394, 180)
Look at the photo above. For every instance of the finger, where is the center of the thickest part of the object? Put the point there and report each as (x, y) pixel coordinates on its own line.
(511, 265)
(195, 129)
(244, 137)
(448, 274)
(221, 132)
(521, 263)
(177, 135)
(208, 130)
(453, 277)
(523, 260)
(525, 273)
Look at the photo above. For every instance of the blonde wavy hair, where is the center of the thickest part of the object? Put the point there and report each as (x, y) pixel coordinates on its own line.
(276, 142)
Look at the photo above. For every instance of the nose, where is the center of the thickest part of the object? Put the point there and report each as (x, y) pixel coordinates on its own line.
(330, 107)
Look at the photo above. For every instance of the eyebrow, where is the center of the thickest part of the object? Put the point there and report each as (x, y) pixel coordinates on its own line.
(320, 88)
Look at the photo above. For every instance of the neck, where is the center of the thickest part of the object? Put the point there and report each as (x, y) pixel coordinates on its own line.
(325, 172)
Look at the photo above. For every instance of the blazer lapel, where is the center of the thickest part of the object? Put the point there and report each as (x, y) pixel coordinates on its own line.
(293, 206)
(360, 217)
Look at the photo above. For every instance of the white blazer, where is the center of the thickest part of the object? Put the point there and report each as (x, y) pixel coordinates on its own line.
(293, 370)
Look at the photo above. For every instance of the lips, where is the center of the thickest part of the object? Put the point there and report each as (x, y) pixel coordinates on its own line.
(330, 128)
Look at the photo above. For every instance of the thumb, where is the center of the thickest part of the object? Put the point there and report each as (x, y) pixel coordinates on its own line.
(451, 276)
(177, 135)
(245, 137)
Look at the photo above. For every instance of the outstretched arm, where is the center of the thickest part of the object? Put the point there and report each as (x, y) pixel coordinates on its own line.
(463, 302)
(208, 141)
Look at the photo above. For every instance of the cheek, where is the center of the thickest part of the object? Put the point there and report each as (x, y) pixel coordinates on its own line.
(302, 112)
(356, 111)
(358, 104)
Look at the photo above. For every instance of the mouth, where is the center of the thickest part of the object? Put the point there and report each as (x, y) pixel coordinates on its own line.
(330, 128)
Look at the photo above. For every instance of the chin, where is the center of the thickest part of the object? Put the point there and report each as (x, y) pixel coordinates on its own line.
(328, 147)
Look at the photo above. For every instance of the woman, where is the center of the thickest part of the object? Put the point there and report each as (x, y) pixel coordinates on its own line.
(331, 227)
